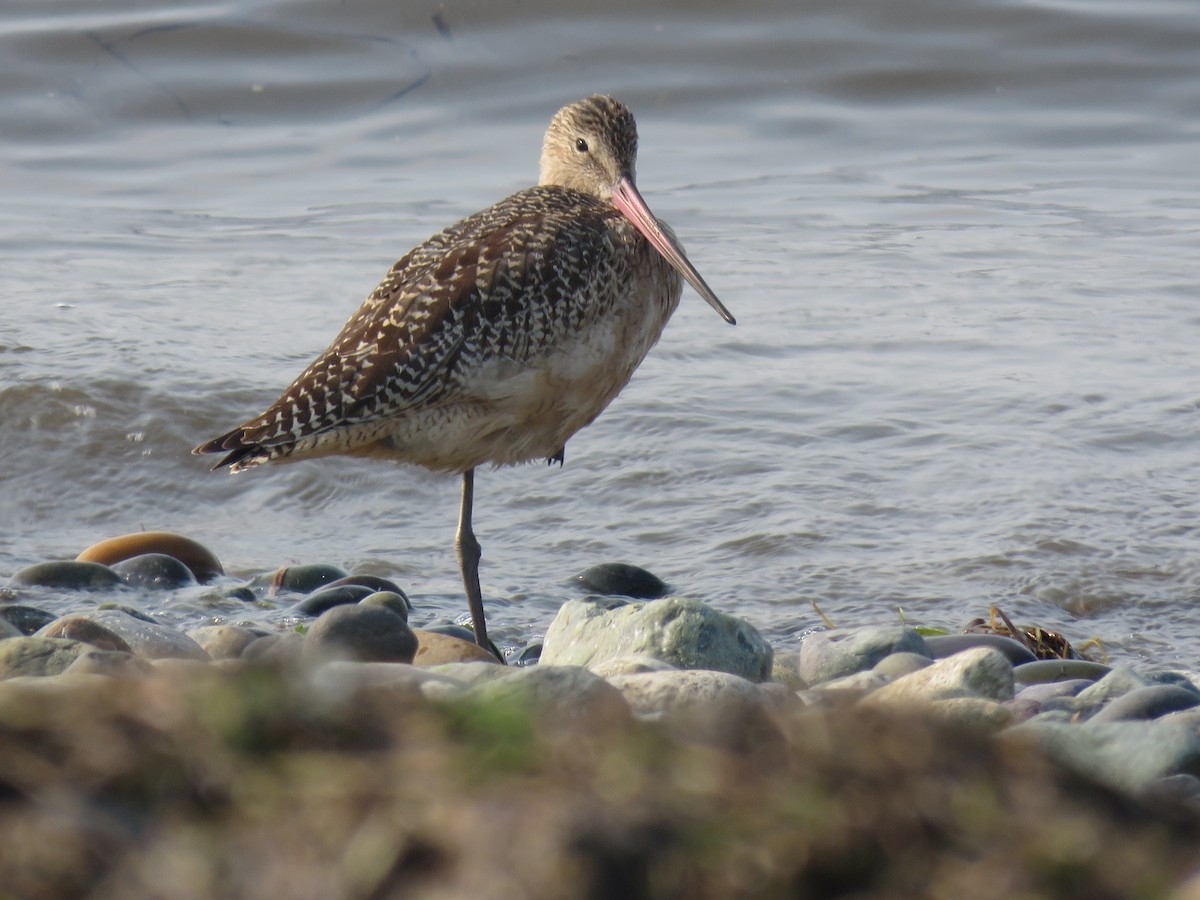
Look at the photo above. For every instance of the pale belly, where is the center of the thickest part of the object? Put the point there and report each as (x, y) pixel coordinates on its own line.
(522, 413)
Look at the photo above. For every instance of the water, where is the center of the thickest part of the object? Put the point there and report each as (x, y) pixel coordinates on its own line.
(960, 240)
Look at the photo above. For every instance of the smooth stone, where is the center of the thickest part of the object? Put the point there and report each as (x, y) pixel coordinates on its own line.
(224, 641)
(434, 649)
(1041, 692)
(685, 633)
(26, 619)
(299, 579)
(375, 583)
(453, 629)
(631, 665)
(1148, 702)
(976, 713)
(977, 672)
(827, 655)
(37, 655)
(529, 655)
(470, 672)
(149, 639)
(657, 693)
(67, 575)
(320, 602)
(154, 570)
(392, 600)
(271, 649)
(113, 663)
(565, 694)
(8, 630)
(1128, 756)
(944, 645)
(785, 669)
(198, 558)
(344, 678)
(1120, 680)
(1046, 670)
(1188, 717)
(361, 633)
(129, 611)
(87, 631)
(622, 580)
(1171, 676)
(845, 690)
(896, 665)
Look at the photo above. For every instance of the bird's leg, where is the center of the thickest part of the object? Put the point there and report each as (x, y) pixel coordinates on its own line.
(468, 551)
(558, 456)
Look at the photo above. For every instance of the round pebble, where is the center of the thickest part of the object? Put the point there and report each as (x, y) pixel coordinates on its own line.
(1149, 702)
(944, 645)
(622, 580)
(397, 603)
(326, 599)
(198, 558)
(375, 583)
(84, 630)
(69, 574)
(26, 619)
(364, 633)
(301, 579)
(1046, 670)
(154, 570)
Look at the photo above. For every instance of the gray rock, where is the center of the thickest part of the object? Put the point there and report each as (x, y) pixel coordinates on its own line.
(631, 665)
(154, 570)
(944, 645)
(37, 655)
(8, 630)
(67, 574)
(26, 619)
(686, 634)
(978, 672)
(1046, 670)
(895, 665)
(223, 641)
(108, 662)
(393, 600)
(81, 628)
(363, 633)
(975, 713)
(622, 580)
(568, 694)
(272, 649)
(1129, 756)
(321, 601)
(845, 690)
(650, 693)
(826, 655)
(1148, 702)
(1117, 682)
(149, 640)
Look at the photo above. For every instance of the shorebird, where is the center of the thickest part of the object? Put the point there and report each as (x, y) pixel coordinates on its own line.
(500, 337)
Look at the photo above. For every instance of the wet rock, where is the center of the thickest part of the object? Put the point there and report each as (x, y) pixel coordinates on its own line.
(203, 564)
(685, 633)
(1034, 699)
(341, 678)
(87, 631)
(149, 640)
(7, 630)
(529, 655)
(623, 580)
(26, 619)
(320, 602)
(154, 570)
(224, 641)
(362, 633)
(434, 649)
(826, 655)
(37, 655)
(978, 672)
(375, 583)
(1128, 756)
(896, 665)
(658, 692)
(556, 694)
(130, 611)
(1148, 702)
(631, 665)
(299, 579)
(391, 600)
(453, 629)
(975, 713)
(112, 663)
(67, 575)
(275, 649)
(1119, 681)
(1047, 670)
(944, 645)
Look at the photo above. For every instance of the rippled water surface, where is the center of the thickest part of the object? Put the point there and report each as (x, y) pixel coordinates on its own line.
(961, 240)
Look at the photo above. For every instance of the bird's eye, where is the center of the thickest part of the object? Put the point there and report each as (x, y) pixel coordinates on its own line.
(581, 145)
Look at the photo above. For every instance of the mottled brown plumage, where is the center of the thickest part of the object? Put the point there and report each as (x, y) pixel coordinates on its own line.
(500, 337)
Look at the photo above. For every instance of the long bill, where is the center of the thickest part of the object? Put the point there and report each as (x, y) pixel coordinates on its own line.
(626, 198)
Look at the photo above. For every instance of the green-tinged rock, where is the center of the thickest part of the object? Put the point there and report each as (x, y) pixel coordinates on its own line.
(67, 575)
(554, 694)
(826, 655)
(684, 633)
(26, 619)
(979, 672)
(37, 655)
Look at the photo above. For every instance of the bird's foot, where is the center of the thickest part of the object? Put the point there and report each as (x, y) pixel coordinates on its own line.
(557, 457)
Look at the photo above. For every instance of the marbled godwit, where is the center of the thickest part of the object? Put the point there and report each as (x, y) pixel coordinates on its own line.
(499, 338)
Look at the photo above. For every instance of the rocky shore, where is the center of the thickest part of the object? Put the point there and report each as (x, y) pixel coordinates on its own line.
(659, 748)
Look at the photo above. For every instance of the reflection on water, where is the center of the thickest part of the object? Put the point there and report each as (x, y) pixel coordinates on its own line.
(959, 240)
